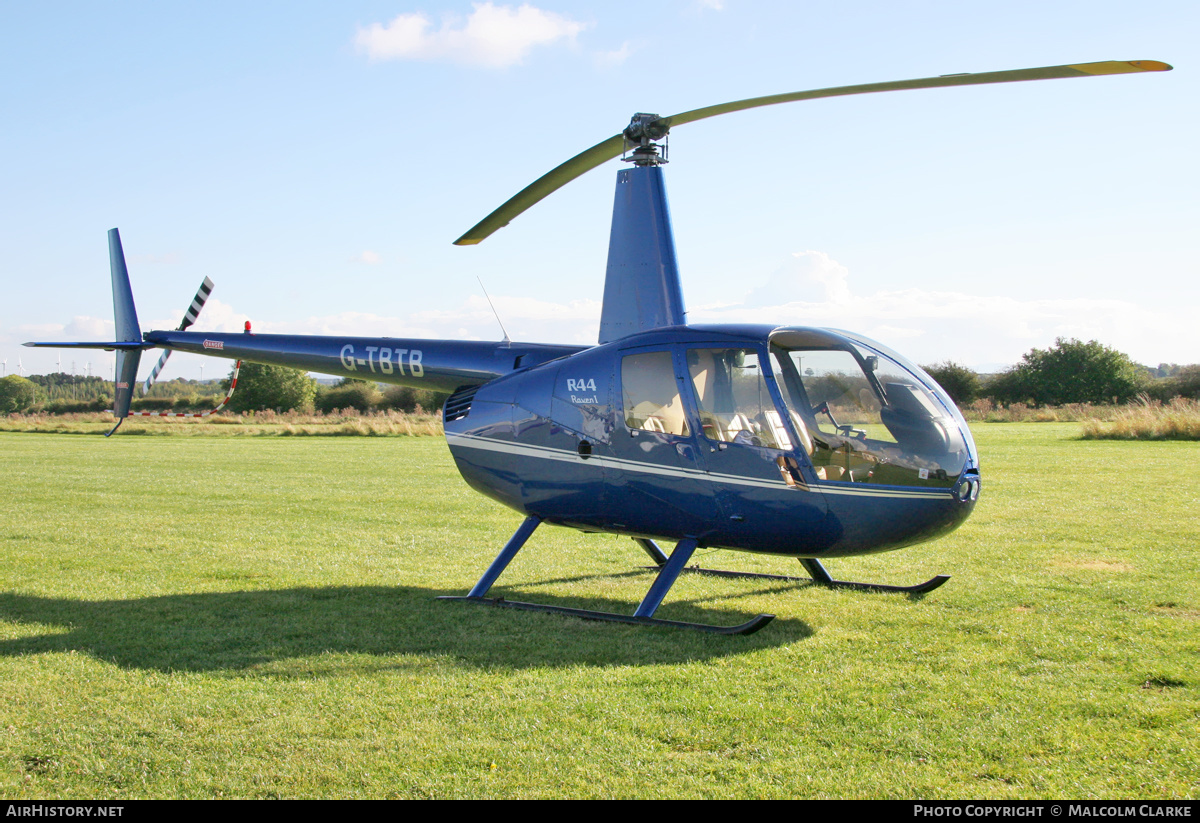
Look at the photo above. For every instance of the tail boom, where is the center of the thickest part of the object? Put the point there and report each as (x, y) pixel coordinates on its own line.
(441, 365)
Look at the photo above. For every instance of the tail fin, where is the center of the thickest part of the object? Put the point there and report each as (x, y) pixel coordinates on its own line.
(128, 330)
(129, 343)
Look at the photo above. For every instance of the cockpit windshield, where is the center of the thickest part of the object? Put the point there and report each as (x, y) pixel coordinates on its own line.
(862, 416)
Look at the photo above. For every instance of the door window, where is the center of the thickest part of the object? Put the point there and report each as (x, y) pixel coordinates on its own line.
(650, 394)
(731, 395)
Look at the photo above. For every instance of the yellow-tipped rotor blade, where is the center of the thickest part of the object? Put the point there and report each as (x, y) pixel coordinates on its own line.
(613, 146)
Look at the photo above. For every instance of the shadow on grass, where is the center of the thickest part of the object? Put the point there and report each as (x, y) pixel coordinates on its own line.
(237, 630)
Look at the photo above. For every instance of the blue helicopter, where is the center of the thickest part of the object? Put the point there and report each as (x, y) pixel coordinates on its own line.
(794, 441)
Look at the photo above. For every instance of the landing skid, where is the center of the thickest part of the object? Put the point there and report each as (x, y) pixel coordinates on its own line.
(817, 574)
(668, 572)
(820, 575)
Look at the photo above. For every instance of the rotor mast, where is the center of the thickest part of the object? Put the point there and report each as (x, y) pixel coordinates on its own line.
(642, 289)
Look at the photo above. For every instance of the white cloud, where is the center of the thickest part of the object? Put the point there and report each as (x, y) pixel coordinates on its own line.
(216, 316)
(367, 256)
(805, 269)
(352, 323)
(491, 36)
(977, 330)
(89, 328)
(611, 59)
(44, 361)
(527, 320)
(80, 329)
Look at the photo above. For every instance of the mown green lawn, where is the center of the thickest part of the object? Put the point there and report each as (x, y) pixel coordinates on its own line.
(254, 617)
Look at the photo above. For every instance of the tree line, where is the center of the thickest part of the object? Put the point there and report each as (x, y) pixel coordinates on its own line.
(1070, 371)
(280, 388)
(260, 387)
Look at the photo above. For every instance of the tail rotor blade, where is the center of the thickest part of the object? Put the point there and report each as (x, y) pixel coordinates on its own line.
(162, 361)
(197, 304)
(188, 319)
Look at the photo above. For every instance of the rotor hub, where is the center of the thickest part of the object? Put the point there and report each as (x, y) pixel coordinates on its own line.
(644, 128)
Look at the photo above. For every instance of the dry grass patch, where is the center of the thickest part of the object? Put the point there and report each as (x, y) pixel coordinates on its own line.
(263, 424)
(1149, 420)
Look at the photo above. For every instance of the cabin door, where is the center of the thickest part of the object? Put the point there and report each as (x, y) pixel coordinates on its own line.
(748, 451)
(657, 482)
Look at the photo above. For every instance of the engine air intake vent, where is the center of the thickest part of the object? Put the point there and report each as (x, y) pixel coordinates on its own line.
(458, 405)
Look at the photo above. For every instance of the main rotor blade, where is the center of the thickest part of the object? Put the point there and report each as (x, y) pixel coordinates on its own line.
(613, 146)
(548, 183)
(983, 78)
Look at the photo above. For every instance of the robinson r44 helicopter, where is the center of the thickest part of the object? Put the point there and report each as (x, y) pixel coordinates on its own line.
(792, 441)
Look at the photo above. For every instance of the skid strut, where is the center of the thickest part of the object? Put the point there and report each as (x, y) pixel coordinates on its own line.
(668, 572)
(817, 574)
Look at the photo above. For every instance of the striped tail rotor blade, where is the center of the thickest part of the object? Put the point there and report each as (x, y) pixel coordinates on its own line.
(197, 304)
(188, 319)
(162, 361)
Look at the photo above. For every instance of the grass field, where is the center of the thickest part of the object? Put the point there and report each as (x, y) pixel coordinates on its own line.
(254, 617)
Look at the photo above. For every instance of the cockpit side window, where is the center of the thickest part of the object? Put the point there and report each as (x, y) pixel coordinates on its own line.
(844, 397)
(732, 397)
(651, 395)
(870, 420)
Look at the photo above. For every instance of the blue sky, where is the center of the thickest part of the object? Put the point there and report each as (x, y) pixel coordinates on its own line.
(317, 160)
